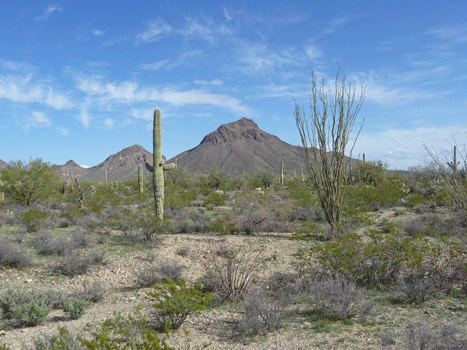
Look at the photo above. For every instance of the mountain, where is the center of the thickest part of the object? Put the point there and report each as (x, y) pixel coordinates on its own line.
(241, 146)
(120, 166)
(3, 164)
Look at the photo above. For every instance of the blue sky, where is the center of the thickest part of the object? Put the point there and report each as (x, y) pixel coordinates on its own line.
(80, 81)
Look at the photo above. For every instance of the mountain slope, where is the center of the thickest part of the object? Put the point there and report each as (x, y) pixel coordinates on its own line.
(241, 146)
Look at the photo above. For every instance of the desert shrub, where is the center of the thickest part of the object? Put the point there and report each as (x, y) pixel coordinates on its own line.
(231, 272)
(28, 308)
(178, 198)
(34, 219)
(184, 251)
(49, 244)
(307, 213)
(337, 296)
(188, 221)
(379, 261)
(119, 333)
(148, 276)
(420, 335)
(374, 198)
(76, 263)
(264, 179)
(433, 225)
(91, 291)
(213, 200)
(265, 312)
(253, 211)
(176, 300)
(170, 269)
(218, 179)
(415, 288)
(221, 223)
(75, 307)
(12, 255)
(370, 263)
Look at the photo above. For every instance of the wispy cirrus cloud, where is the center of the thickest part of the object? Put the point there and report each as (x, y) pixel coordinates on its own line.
(259, 59)
(41, 119)
(48, 12)
(215, 82)
(155, 31)
(183, 59)
(204, 28)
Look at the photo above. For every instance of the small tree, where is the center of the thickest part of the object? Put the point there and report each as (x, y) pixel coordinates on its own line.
(327, 132)
(28, 183)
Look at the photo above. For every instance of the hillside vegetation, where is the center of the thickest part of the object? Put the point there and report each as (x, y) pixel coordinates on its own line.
(237, 262)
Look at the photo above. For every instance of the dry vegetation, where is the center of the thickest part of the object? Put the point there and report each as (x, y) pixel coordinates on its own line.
(237, 268)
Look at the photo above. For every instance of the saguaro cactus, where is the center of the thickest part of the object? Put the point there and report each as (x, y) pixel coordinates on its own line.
(159, 165)
(140, 179)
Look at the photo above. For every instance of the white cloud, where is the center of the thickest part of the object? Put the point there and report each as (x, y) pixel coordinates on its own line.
(154, 32)
(404, 148)
(109, 122)
(63, 131)
(83, 116)
(312, 51)
(215, 82)
(40, 118)
(145, 114)
(84, 166)
(57, 101)
(48, 12)
(259, 59)
(128, 91)
(155, 66)
(23, 89)
(98, 32)
(204, 28)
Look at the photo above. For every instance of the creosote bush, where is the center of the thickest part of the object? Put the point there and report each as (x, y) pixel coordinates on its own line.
(176, 300)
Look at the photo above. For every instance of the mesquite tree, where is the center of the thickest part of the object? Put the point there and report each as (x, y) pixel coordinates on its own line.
(325, 135)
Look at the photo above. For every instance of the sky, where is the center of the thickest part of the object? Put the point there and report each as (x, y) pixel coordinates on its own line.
(80, 80)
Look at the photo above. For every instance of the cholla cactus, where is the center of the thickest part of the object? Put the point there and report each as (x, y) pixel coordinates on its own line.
(159, 166)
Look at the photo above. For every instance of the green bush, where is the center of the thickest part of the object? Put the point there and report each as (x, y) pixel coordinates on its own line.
(213, 200)
(176, 300)
(32, 313)
(379, 260)
(33, 219)
(114, 334)
(75, 307)
(28, 183)
(28, 308)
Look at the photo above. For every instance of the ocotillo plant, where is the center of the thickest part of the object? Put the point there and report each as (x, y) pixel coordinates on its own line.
(158, 165)
(140, 179)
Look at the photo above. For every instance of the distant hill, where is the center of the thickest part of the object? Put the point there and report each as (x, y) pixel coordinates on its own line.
(120, 166)
(236, 147)
(3, 164)
(241, 146)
